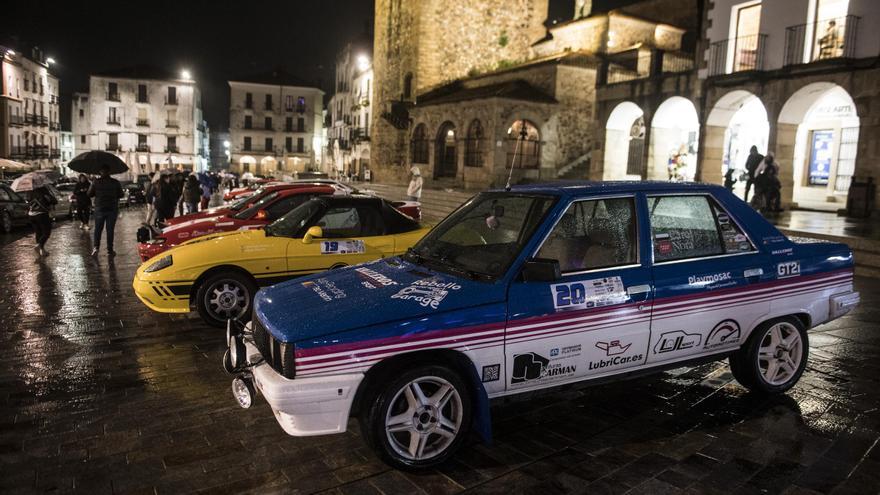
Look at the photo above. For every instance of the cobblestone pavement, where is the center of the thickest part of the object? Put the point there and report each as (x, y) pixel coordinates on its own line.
(100, 395)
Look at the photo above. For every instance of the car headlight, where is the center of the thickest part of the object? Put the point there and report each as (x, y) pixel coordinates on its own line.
(163, 262)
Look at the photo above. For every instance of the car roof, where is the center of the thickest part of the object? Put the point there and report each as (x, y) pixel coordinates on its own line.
(305, 189)
(578, 188)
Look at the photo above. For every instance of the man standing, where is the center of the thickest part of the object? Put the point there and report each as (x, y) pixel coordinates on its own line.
(414, 191)
(752, 163)
(106, 190)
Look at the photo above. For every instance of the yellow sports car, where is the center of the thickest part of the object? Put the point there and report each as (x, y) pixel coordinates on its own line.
(219, 274)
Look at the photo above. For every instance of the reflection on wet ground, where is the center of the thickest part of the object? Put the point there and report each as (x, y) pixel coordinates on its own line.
(827, 223)
(100, 395)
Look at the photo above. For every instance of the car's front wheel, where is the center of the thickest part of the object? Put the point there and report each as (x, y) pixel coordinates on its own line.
(5, 222)
(774, 357)
(224, 296)
(419, 419)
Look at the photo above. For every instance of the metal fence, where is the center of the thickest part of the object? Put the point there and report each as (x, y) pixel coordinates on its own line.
(821, 40)
(740, 54)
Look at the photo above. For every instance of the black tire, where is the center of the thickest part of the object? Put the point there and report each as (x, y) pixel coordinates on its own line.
(754, 361)
(5, 222)
(389, 400)
(214, 298)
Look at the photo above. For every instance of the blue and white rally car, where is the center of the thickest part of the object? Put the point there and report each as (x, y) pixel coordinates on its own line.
(534, 287)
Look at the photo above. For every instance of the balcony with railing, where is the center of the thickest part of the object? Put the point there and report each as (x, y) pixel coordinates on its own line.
(54, 126)
(745, 53)
(55, 154)
(16, 120)
(827, 39)
(171, 101)
(143, 122)
(113, 121)
(359, 134)
(42, 121)
(172, 148)
(642, 64)
(30, 119)
(143, 147)
(17, 152)
(172, 124)
(113, 147)
(113, 96)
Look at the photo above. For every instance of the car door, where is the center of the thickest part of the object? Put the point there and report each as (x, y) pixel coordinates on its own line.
(706, 271)
(595, 319)
(343, 242)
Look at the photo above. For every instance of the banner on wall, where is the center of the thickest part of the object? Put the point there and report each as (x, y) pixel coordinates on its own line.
(820, 157)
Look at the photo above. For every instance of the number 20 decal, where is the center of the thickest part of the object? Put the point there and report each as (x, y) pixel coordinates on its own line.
(788, 269)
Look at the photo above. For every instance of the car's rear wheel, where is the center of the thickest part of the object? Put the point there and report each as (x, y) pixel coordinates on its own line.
(774, 357)
(419, 419)
(224, 296)
(5, 222)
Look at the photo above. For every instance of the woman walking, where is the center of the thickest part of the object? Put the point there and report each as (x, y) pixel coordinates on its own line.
(191, 194)
(83, 201)
(38, 212)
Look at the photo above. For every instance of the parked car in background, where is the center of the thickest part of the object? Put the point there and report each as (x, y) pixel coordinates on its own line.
(534, 287)
(13, 209)
(65, 189)
(135, 194)
(218, 274)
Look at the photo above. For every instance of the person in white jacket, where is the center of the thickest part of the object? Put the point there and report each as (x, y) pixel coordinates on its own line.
(414, 191)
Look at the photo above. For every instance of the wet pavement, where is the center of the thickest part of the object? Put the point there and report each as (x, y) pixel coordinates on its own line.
(100, 395)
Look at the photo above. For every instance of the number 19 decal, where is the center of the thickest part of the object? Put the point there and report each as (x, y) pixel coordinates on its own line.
(788, 269)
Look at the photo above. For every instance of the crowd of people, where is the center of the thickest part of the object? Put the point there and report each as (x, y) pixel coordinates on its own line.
(762, 173)
(170, 194)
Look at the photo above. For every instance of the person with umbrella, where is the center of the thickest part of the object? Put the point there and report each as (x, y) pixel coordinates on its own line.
(40, 205)
(105, 189)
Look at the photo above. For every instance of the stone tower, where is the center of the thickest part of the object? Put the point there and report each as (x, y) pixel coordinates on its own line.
(420, 44)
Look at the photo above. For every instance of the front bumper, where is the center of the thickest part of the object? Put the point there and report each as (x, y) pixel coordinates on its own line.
(843, 303)
(161, 297)
(305, 406)
(147, 250)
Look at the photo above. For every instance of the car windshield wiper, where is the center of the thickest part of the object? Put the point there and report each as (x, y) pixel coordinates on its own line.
(455, 268)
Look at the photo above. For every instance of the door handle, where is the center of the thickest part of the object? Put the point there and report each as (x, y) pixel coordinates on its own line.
(638, 289)
(753, 272)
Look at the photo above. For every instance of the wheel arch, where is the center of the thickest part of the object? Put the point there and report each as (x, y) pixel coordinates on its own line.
(214, 270)
(455, 360)
(801, 315)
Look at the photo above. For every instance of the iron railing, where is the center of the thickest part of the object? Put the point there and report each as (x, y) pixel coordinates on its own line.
(744, 53)
(172, 124)
(113, 147)
(143, 147)
(172, 149)
(113, 96)
(821, 40)
(143, 122)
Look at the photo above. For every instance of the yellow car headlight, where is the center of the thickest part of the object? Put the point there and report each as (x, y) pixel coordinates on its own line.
(163, 262)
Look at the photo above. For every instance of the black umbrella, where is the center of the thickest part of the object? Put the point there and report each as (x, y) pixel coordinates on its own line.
(91, 162)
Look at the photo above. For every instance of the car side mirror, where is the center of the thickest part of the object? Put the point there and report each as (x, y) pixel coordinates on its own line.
(541, 270)
(261, 215)
(313, 233)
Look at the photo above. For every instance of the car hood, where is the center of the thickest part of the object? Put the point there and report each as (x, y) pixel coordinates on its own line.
(197, 228)
(211, 212)
(379, 292)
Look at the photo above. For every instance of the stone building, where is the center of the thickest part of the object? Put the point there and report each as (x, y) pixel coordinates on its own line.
(275, 124)
(29, 113)
(469, 91)
(149, 116)
(351, 109)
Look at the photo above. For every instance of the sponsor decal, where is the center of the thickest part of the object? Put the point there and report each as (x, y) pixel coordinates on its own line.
(372, 279)
(532, 366)
(774, 239)
(325, 289)
(782, 251)
(588, 293)
(566, 352)
(788, 269)
(343, 247)
(183, 235)
(427, 292)
(491, 373)
(663, 243)
(709, 279)
(677, 340)
(614, 351)
(723, 218)
(724, 334)
(613, 348)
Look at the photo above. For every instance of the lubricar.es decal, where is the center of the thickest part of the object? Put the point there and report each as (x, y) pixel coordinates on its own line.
(532, 366)
(615, 352)
(677, 340)
(724, 334)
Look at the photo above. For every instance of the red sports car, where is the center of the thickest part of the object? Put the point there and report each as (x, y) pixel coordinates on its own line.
(269, 208)
(241, 192)
(234, 207)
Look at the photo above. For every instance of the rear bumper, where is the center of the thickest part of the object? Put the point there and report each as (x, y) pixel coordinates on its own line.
(843, 303)
(305, 406)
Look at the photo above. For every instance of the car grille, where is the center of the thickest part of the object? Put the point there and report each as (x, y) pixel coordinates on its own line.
(279, 355)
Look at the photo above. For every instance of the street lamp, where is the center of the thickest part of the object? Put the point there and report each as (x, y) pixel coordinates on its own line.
(50, 60)
(225, 144)
(185, 74)
(363, 62)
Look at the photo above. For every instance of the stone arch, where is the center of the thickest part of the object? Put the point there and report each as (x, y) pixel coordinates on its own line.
(624, 143)
(267, 165)
(446, 151)
(737, 121)
(526, 152)
(816, 144)
(419, 144)
(247, 163)
(475, 144)
(675, 133)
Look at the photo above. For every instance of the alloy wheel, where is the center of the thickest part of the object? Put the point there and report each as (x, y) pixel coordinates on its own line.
(424, 418)
(227, 299)
(780, 353)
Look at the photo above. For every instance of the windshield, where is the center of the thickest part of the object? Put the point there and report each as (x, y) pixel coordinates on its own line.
(483, 237)
(259, 205)
(291, 224)
(241, 203)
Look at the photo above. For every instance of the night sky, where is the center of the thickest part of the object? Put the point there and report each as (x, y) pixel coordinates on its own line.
(216, 41)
